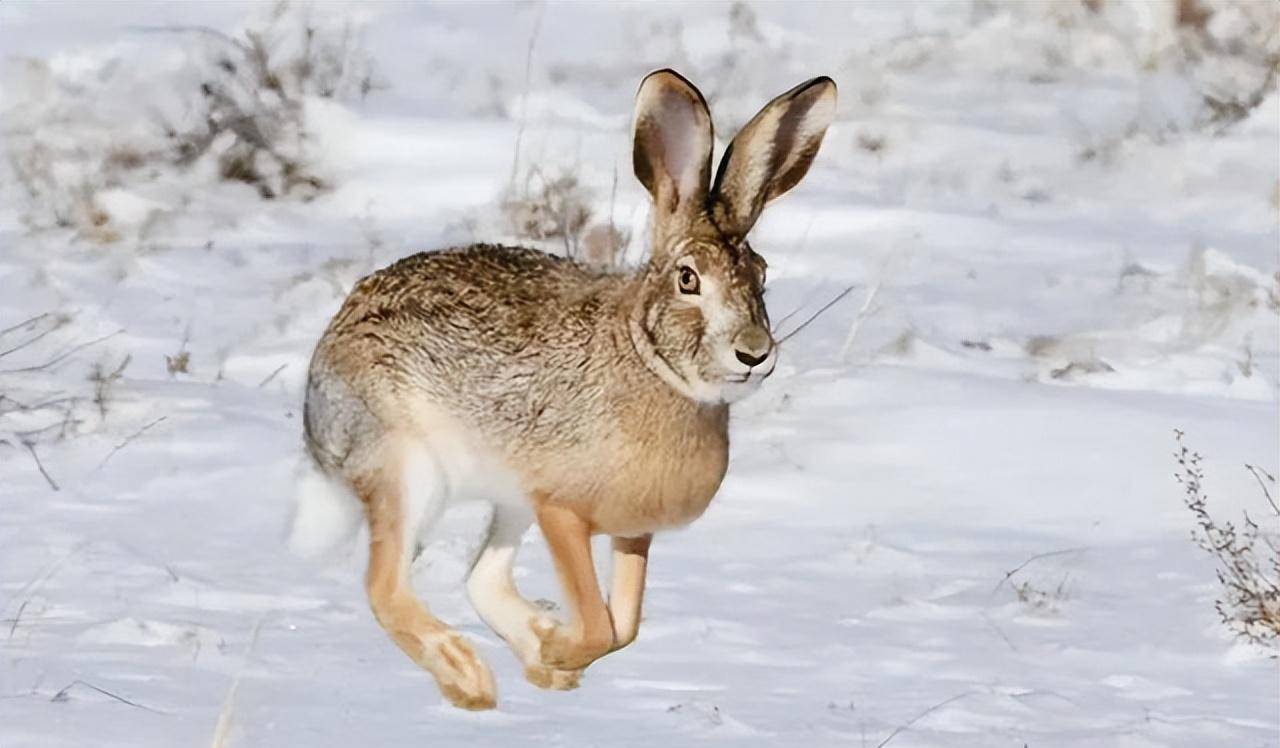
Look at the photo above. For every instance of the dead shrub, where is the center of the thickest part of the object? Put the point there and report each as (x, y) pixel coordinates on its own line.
(559, 210)
(237, 103)
(556, 208)
(1043, 600)
(254, 95)
(1247, 560)
(1231, 51)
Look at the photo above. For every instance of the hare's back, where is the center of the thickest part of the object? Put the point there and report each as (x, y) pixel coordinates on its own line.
(479, 322)
(484, 297)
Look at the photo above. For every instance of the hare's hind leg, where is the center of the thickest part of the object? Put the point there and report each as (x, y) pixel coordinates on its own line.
(403, 492)
(493, 594)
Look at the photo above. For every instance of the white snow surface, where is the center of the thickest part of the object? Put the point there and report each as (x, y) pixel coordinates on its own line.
(1066, 269)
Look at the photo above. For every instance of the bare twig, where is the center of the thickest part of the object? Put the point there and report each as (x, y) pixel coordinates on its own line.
(103, 382)
(18, 617)
(863, 312)
(1258, 474)
(1026, 563)
(31, 447)
(999, 631)
(906, 725)
(62, 356)
(24, 323)
(181, 29)
(41, 579)
(21, 407)
(62, 695)
(815, 315)
(613, 196)
(272, 375)
(128, 439)
(37, 337)
(222, 732)
(524, 98)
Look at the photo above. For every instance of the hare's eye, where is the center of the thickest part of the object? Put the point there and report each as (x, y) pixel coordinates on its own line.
(688, 280)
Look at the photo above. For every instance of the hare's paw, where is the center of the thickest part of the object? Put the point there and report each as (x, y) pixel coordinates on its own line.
(560, 649)
(464, 679)
(553, 679)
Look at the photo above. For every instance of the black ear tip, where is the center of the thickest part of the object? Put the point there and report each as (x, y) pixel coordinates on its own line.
(682, 82)
(665, 72)
(822, 81)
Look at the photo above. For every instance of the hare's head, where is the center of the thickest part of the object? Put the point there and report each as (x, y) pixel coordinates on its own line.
(702, 323)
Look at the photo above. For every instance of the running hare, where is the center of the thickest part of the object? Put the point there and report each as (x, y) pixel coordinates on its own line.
(592, 402)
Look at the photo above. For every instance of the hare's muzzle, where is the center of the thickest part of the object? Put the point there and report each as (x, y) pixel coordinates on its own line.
(752, 346)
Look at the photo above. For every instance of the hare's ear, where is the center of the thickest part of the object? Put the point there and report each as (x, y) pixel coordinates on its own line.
(672, 156)
(771, 154)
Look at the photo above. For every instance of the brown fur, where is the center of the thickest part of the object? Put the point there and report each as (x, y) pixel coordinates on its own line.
(605, 395)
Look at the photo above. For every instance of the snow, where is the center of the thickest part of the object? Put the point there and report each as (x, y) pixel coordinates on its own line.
(1068, 269)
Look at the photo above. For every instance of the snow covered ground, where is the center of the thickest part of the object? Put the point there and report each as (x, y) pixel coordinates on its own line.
(1067, 262)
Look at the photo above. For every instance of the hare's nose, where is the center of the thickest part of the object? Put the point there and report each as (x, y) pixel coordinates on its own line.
(752, 346)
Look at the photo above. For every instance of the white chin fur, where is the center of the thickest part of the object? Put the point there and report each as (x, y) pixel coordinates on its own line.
(734, 391)
(721, 390)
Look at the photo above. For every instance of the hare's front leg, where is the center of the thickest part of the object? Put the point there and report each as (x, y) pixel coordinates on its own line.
(630, 562)
(493, 594)
(589, 634)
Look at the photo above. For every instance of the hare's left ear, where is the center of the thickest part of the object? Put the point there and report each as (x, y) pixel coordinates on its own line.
(771, 154)
(672, 155)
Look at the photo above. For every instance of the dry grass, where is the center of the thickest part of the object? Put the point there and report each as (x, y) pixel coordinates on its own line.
(253, 99)
(558, 211)
(236, 111)
(1247, 560)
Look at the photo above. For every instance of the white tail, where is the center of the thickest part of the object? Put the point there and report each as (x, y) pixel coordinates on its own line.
(326, 513)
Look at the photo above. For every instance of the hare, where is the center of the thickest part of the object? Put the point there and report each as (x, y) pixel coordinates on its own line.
(590, 402)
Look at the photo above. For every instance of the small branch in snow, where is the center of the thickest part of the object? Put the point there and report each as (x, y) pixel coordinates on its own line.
(58, 324)
(62, 696)
(128, 439)
(272, 375)
(1258, 475)
(999, 631)
(31, 447)
(21, 407)
(222, 732)
(524, 98)
(18, 617)
(864, 311)
(904, 726)
(25, 322)
(39, 581)
(1036, 557)
(61, 356)
(186, 29)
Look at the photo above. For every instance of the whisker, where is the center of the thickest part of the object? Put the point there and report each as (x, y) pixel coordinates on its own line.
(789, 315)
(815, 315)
